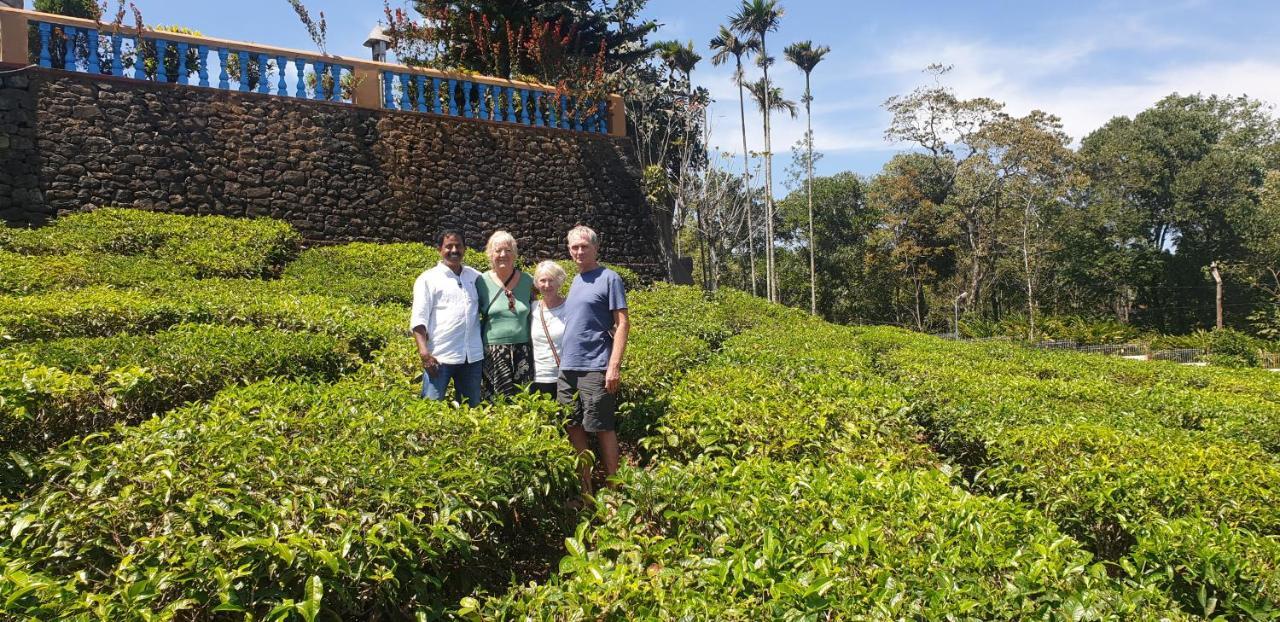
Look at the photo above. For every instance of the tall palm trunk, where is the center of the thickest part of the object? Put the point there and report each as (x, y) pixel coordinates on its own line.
(770, 276)
(813, 266)
(746, 182)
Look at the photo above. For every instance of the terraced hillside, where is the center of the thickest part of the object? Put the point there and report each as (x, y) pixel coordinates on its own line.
(201, 421)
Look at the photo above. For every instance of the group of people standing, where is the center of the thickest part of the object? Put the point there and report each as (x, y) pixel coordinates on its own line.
(492, 336)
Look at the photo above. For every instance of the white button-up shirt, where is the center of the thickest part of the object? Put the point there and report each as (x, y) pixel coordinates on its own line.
(448, 306)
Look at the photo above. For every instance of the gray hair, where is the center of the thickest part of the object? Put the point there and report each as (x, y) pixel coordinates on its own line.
(551, 269)
(583, 231)
(501, 238)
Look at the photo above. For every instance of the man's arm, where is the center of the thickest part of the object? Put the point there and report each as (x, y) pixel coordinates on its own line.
(429, 363)
(419, 319)
(621, 326)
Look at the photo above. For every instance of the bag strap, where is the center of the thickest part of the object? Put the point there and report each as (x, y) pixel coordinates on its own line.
(542, 315)
(502, 287)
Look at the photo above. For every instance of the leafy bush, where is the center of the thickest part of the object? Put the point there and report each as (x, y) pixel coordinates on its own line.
(210, 245)
(1212, 570)
(100, 312)
(52, 391)
(25, 274)
(288, 500)
(757, 539)
(362, 272)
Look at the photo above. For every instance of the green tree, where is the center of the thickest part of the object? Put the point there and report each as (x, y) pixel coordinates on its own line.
(1181, 182)
(805, 56)
(727, 43)
(758, 18)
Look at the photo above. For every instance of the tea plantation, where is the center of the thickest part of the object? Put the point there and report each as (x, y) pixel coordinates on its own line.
(200, 421)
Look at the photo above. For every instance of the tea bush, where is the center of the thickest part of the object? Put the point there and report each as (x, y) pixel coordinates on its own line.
(288, 500)
(210, 245)
(100, 312)
(757, 539)
(51, 391)
(25, 274)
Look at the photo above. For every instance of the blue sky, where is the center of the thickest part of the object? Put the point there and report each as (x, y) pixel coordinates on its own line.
(1085, 61)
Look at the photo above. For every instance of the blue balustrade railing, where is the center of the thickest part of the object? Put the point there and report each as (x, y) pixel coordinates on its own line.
(517, 105)
(155, 58)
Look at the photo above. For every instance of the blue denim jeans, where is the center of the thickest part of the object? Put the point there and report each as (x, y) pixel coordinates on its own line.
(466, 381)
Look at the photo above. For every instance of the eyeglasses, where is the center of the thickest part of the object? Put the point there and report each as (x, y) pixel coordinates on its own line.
(511, 301)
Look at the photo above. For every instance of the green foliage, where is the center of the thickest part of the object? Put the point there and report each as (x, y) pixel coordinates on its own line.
(101, 312)
(1111, 450)
(25, 274)
(355, 501)
(210, 245)
(53, 390)
(362, 272)
(759, 539)
(1213, 570)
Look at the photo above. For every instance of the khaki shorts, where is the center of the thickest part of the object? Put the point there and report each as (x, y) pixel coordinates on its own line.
(593, 407)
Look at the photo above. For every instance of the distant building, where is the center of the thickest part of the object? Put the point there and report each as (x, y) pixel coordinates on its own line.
(17, 4)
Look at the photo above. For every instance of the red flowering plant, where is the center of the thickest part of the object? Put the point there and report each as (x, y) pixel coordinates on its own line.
(571, 46)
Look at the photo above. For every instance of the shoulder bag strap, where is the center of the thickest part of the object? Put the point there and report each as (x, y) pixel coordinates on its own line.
(542, 315)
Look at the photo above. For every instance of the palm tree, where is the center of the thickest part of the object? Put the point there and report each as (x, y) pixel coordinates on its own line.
(773, 95)
(726, 44)
(681, 58)
(806, 57)
(758, 18)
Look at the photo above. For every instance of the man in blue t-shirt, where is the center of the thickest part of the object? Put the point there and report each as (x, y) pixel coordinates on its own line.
(595, 337)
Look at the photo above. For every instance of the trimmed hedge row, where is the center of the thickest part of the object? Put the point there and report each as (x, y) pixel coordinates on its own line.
(758, 539)
(1114, 478)
(25, 274)
(53, 391)
(384, 273)
(99, 312)
(289, 500)
(210, 245)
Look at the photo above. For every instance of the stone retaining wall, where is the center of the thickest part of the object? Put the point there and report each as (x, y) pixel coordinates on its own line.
(72, 142)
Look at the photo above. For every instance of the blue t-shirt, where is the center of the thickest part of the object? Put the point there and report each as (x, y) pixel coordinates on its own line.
(588, 318)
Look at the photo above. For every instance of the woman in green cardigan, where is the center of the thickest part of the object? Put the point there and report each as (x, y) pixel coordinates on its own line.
(506, 295)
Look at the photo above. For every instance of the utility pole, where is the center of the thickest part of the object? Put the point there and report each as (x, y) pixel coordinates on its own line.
(1217, 277)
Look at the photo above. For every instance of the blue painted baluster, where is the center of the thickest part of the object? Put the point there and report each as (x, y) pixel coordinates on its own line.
(162, 46)
(466, 99)
(319, 74)
(223, 82)
(45, 29)
(95, 65)
(336, 95)
(576, 116)
(263, 86)
(420, 89)
(602, 118)
(435, 95)
(300, 90)
(117, 65)
(202, 64)
(511, 105)
(404, 92)
(453, 97)
(565, 121)
(549, 106)
(388, 100)
(139, 62)
(69, 54)
(243, 57)
(282, 87)
(182, 62)
(537, 108)
(482, 90)
(524, 107)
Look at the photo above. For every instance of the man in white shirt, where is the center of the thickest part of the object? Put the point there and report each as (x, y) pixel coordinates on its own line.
(445, 323)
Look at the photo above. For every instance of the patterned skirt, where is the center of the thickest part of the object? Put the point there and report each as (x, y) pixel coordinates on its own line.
(506, 368)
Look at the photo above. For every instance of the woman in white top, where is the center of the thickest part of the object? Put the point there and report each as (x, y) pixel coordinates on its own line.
(547, 330)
